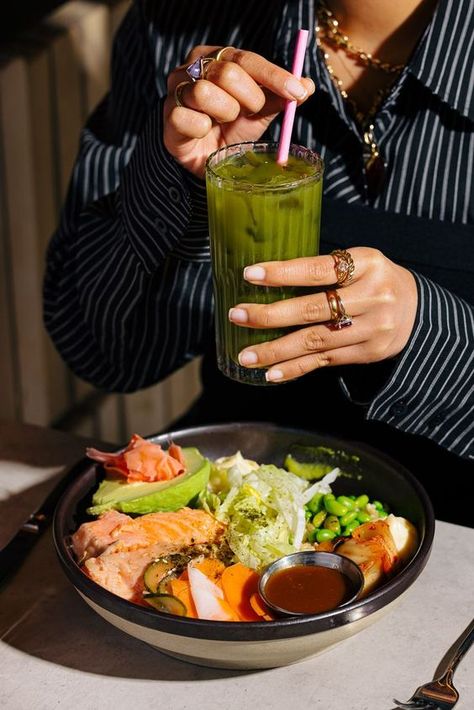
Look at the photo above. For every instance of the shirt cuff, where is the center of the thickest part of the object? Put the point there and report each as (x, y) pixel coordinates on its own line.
(431, 391)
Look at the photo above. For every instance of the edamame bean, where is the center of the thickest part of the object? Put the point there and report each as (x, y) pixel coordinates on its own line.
(332, 523)
(316, 503)
(382, 513)
(348, 530)
(335, 508)
(362, 501)
(345, 500)
(377, 504)
(348, 518)
(319, 518)
(363, 517)
(324, 535)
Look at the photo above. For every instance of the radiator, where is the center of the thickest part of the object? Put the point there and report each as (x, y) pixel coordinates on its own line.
(50, 80)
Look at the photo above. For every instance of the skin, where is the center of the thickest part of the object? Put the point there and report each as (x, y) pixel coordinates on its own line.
(236, 102)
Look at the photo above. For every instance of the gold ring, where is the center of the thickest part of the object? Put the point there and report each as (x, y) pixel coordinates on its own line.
(217, 53)
(178, 92)
(339, 317)
(343, 265)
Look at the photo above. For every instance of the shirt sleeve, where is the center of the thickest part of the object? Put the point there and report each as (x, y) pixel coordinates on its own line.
(431, 390)
(127, 289)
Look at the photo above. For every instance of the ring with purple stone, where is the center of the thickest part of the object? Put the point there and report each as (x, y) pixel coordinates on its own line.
(343, 265)
(197, 70)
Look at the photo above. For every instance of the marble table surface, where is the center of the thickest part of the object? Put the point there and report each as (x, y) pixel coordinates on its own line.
(55, 652)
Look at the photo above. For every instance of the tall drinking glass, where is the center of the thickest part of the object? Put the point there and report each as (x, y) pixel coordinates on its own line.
(258, 211)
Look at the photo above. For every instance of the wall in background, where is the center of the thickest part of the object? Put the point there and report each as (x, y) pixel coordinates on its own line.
(50, 80)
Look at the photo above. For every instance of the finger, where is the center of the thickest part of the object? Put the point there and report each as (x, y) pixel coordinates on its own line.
(207, 98)
(185, 123)
(290, 370)
(253, 98)
(237, 83)
(269, 75)
(297, 311)
(303, 342)
(304, 271)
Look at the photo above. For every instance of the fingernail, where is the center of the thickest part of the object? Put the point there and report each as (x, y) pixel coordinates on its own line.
(254, 273)
(238, 315)
(273, 375)
(248, 358)
(295, 88)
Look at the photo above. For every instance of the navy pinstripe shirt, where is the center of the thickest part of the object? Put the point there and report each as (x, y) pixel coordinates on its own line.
(128, 293)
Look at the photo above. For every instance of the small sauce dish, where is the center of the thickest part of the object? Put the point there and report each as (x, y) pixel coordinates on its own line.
(310, 583)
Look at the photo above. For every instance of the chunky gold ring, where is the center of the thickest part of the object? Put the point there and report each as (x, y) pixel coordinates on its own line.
(217, 53)
(198, 69)
(343, 265)
(179, 91)
(339, 317)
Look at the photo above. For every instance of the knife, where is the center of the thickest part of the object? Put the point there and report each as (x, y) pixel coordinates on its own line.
(14, 553)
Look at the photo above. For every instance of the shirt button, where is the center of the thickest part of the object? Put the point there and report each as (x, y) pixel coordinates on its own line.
(399, 408)
(174, 194)
(436, 419)
(161, 226)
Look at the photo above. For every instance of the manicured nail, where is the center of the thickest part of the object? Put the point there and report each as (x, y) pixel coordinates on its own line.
(295, 88)
(248, 358)
(273, 375)
(238, 315)
(254, 273)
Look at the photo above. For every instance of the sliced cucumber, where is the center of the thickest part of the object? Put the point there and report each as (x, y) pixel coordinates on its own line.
(160, 572)
(166, 603)
(155, 572)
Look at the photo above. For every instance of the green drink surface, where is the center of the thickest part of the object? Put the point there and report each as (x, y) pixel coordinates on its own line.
(261, 169)
(258, 211)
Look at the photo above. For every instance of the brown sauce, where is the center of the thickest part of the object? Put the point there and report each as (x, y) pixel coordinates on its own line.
(308, 589)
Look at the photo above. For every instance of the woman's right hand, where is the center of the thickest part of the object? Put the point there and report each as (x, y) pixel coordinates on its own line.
(240, 96)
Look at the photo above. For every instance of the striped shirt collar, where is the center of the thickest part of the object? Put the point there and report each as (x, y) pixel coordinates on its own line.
(444, 58)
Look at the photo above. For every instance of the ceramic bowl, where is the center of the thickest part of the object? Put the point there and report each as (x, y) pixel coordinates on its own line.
(266, 644)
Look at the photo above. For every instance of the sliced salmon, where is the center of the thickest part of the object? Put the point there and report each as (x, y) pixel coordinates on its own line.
(93, 538)
(120, 566)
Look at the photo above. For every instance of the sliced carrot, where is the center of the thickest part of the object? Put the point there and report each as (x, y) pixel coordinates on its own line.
(211, 567)
(259, 607)
(239, 583)
(182, 590)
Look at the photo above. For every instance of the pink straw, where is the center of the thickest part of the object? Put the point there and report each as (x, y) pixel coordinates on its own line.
(290, 108)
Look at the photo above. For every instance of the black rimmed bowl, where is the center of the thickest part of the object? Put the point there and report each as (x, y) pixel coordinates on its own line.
(266, 644)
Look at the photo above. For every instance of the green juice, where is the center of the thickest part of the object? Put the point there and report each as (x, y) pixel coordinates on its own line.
(258, 211)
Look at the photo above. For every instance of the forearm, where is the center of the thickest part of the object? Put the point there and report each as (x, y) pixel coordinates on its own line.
(115, 324)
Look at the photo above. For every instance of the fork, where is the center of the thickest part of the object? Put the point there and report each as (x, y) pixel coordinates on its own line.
(440, 693)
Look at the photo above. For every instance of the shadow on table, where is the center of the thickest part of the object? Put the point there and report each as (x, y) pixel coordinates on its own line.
(42, 615)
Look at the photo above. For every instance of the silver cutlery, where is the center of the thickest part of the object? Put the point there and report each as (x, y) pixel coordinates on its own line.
(440, 693)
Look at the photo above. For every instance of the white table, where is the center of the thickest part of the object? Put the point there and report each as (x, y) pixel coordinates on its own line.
(56, 653)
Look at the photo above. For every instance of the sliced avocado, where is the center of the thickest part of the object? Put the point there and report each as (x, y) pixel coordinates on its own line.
(142, 498)
(314, 462)
(308, 471)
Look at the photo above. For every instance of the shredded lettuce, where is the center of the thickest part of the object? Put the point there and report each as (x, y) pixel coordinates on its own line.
(264, 512)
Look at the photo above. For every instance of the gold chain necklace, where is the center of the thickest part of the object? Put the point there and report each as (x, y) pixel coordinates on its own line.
(327, 28)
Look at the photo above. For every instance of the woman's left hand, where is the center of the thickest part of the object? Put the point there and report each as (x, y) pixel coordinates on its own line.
(381, 299)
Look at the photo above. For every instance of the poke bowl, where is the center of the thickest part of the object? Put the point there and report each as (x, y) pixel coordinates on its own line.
(268, 642)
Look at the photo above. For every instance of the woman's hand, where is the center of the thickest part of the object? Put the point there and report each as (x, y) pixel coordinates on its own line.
(382, 300)
(240, 96)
